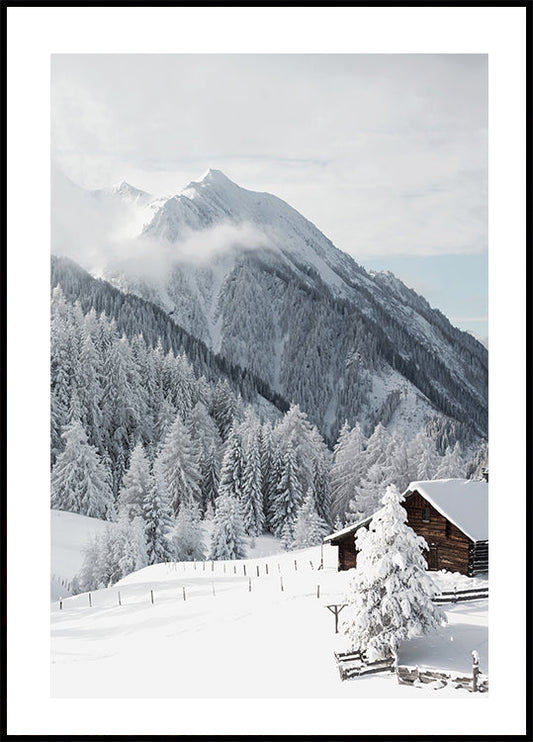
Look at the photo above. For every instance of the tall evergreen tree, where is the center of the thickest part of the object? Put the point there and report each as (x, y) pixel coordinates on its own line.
(389, 599)
(137, 483)
(179, 468)
(158, 523)
(228, 539)
(309, 528)
(289, 493)
(79, 481)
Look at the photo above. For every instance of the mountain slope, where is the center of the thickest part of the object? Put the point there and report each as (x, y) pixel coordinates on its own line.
(262, 286)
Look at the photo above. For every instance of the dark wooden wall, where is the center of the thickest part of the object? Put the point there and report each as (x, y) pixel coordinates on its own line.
(450, 547)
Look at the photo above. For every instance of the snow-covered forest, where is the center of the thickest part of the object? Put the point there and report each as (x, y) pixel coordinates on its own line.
(141, 440)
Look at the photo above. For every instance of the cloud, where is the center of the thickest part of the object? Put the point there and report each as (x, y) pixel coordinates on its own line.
(96, 231)
(345, 139)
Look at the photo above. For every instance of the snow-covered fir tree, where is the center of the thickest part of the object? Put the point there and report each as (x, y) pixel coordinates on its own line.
(188, 535)
(232, 469)
(346, 469)
(137, 484)
(289, 493)
(309, 529)
(158, 522)
(80, 483)
(252, 495)
(389, 599)
(228, 540)
(177, 463)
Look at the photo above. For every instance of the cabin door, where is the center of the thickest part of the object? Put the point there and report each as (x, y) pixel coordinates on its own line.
(433, 557)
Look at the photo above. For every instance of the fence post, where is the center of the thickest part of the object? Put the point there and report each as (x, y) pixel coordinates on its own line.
(119, 601)
(244, 569)
(90, 601)
(234, 569)
(318, 591)
(295, 565)
(203, 566)
(152, 596)
(281, 582)
(249, 584)
(212, 565)
(266, 568)
(183, 588)
(475, 670)
(257, 570)
(60, 604)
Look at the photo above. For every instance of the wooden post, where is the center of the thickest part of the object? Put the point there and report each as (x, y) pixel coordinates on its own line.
(244, 569)
(183, 588)
(60, 604)
(475, 670)
(212, 565)
(318, 591)
(119, 601)
(90, 601)
(336, 608)
(295, 565)
(281, 583)
(266, 568)
(234, 569)
(195, 565)
(258, 570)
(249, 584)
(311, 563)
(203, 566)
(152, 596)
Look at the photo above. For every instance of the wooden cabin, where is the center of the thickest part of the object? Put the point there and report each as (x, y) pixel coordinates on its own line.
(452, 516)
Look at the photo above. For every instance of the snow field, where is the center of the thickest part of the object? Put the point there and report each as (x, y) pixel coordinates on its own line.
(263, 643)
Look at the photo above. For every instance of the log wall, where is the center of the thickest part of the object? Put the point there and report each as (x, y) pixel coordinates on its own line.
(450, 548)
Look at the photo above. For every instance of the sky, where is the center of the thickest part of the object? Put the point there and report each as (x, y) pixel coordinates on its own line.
(386, 154)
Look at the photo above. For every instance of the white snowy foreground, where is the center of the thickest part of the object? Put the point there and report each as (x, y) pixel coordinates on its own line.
(224, 640)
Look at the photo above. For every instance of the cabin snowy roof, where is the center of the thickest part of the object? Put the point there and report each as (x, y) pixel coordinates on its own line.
(464, 502)
(349, 529)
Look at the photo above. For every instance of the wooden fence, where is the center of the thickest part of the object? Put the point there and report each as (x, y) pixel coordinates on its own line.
(454, 596)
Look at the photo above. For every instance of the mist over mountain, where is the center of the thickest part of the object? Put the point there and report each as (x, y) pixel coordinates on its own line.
(260, 285)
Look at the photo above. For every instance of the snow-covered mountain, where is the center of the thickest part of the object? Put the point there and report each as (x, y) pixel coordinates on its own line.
(261, 285)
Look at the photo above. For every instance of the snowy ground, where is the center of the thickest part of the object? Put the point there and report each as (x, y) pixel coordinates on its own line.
(263, 643)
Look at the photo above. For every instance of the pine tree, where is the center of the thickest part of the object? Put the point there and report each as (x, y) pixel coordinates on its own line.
(390, 594)
(451, 465)
(228, 539)
(252, 496)
(158, 523)
(289, 493)
(178, 465)
(188, 535)
(137, 483)
(79, 480)
(309, 529)
(232, 470)
(346, 470)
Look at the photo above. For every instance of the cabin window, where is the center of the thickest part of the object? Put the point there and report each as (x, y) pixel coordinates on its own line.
(425, 515)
